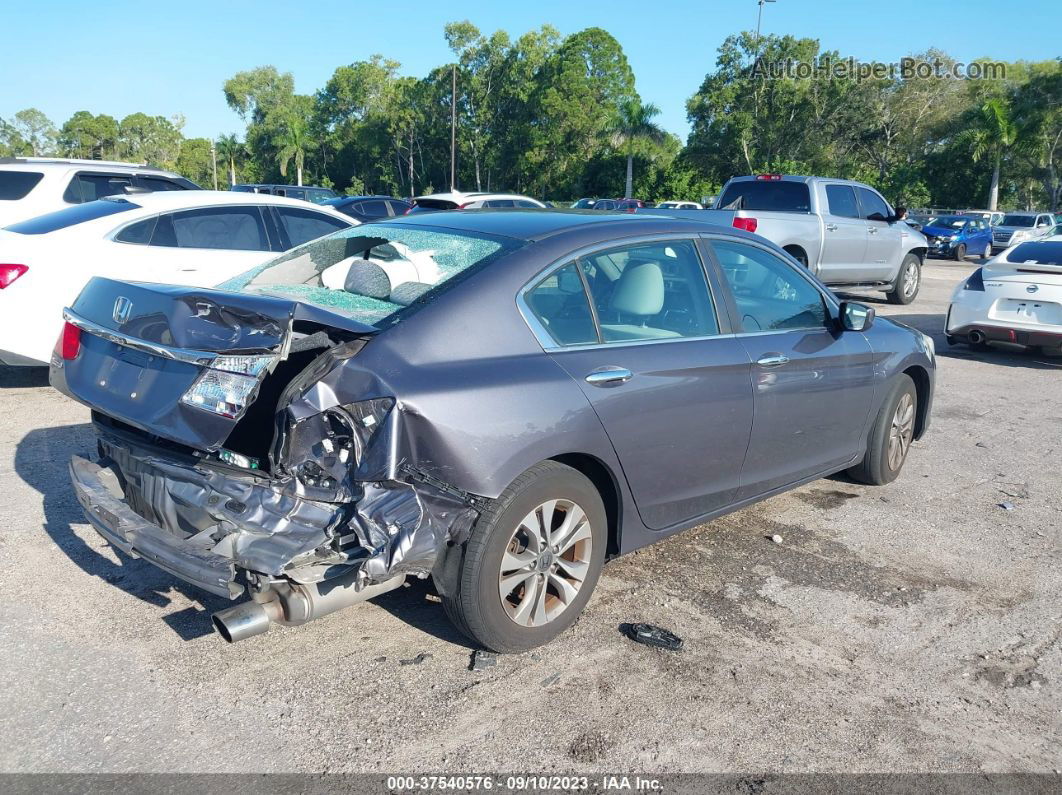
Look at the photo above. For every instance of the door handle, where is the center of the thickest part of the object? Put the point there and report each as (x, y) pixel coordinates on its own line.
(831, 227)
(609, 376)
(772, 360)
(873, 230)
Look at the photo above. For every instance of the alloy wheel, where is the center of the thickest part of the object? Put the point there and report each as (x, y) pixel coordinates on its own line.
(902, 431)
(910, 279)
(545, 563)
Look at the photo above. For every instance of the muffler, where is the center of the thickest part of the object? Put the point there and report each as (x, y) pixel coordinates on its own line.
(294, 603)
(976, 337)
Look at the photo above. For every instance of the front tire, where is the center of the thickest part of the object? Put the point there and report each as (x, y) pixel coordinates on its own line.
(960, 252)
(988, 252)
(908, 281)
(891, 435)
(531, 561)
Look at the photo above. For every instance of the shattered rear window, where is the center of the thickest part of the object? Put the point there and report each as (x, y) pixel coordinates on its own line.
(374, 272)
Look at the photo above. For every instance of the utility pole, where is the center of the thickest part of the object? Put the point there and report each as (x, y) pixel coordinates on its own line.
(453, 128)
(214, 163)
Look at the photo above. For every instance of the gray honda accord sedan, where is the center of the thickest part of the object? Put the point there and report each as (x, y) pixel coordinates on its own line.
(500, 400)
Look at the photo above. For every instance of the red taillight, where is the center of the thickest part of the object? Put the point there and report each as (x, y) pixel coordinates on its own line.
(8, 274)
(769, 177)
(748, 224)
(463, 206)
(69, 345)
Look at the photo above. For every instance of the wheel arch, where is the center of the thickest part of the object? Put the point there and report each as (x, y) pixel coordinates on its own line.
(923, 388)
(798, 253)
(607, 485)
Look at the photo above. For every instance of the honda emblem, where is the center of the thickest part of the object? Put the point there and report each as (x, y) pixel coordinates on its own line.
(123, 307)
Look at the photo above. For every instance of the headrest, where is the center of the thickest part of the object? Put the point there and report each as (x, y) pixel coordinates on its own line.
(640, 289)
(408, 292)
(367, 278)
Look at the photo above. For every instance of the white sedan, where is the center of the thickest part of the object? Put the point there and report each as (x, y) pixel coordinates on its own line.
(195, 238)
(1015, 298)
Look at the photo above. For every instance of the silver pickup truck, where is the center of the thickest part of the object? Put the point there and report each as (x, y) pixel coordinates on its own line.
(843, 231)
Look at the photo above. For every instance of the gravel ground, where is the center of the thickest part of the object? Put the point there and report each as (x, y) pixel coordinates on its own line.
(914, 627)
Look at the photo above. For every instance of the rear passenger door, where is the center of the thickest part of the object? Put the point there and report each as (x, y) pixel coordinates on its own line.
(844, 236)
(655, 359)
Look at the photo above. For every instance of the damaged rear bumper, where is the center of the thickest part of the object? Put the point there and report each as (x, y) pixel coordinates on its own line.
(121, 526)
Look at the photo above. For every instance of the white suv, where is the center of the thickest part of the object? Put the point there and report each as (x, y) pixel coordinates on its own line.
(32, 186)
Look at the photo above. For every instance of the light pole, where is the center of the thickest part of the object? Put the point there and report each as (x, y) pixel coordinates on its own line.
(214, 163)
(759, 20)
(453, 128)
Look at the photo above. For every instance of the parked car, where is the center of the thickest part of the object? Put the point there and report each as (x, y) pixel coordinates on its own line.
(1015, 298)
(32, 186)
(313, 447)
(630, 204)
(842, 231)
(606, 204)
(309, 193)
(369, 208)
(679, 205)
(955, 236)
(198, 238)
(1021, 227)
(583, 204)
(993, 217)
(472, 201)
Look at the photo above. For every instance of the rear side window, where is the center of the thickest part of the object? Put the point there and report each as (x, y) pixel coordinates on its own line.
(71, 216)
(158, 184)
(842, 201)
(15, 185)
(431, 205)
(399, 207)
(559, 302)
(373, 209)
(778, 196)
(499, 203)
(89, 187)
(139, 233)
(231, 228)
(302, 226)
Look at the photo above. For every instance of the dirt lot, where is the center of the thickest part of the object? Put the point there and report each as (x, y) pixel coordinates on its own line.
(912, 627)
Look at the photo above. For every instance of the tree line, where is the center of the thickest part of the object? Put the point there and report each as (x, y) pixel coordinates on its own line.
(560, 118)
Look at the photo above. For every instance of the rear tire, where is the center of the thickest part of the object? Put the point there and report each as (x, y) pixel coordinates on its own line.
(519, 586)
(908, 281)
(960, 252)
(891, 435)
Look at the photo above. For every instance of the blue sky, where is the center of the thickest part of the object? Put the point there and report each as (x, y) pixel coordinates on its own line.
(119, 57)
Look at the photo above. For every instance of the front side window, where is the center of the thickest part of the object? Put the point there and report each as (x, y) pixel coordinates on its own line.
(231, 228)
(650, 291)
(302, 226)
(874, 207)
(560, 304)
(770, 294)
(842, 201)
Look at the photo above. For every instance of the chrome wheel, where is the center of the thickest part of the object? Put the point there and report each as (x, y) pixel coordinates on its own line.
(901, 432)
(988, 252)
(910, 279)
(545, 563)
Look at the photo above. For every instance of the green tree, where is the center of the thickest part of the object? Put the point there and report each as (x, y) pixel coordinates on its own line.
(293, 142)
(229, 149)
(87, 136)
(993, 137)
(155, 140)
(634, 126)
(36, 131)
(195, 162)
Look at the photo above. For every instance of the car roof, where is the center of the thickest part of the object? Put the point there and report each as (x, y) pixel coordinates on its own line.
(458, 197)
(178, 199)
(341, 199)
(67, 164)
(531, 225)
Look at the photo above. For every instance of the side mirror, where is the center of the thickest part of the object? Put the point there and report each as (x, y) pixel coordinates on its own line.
(856, 316)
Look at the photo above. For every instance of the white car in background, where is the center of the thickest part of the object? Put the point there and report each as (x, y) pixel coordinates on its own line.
(679, 205)
(195, 238)
(1015, 298)
(32, 186)
(455, 200)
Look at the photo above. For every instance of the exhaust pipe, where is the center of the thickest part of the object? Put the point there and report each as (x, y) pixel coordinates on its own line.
(294, 603)
(977, 337)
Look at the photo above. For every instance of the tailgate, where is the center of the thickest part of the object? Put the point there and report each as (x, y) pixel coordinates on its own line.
(168, 359)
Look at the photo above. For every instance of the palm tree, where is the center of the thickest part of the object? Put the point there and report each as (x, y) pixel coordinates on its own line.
(635, 124)
(230, 150)
(294, 141)
(994, 136)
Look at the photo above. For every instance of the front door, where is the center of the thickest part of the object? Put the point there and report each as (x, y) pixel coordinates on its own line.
(813, 383)
(884, 237)
(672, 391)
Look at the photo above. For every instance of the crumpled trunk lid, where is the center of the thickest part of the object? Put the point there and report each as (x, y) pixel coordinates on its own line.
(143, 346)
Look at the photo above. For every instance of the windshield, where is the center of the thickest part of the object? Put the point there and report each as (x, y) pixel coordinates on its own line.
(373, 272)
(1018, 220)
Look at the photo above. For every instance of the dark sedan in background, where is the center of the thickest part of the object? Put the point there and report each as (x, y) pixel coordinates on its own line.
(500, 400)
(369, 208)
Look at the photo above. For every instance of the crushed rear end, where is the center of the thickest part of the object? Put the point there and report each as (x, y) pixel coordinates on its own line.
(243, 449)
